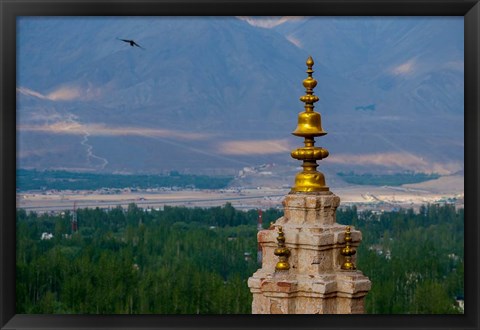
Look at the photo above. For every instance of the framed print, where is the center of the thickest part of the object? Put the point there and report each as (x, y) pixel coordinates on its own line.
(189, 107)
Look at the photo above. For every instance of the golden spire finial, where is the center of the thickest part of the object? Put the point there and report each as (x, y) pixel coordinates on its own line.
(309, 126)
(281, 251)
(348, 252)
(309, 83)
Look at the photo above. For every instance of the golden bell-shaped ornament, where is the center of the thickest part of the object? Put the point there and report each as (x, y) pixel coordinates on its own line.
(309, 125)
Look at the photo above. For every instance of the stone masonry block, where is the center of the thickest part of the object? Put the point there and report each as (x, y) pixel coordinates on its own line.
(311, 209)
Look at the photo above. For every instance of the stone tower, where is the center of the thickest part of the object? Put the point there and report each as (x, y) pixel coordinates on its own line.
(308, 260)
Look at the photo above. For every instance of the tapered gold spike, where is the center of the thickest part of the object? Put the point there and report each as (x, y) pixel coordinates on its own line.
(348, 252)
(282, 252)
(309, 126)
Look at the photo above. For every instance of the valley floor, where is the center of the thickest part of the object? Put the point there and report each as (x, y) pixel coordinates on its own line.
(443, 190)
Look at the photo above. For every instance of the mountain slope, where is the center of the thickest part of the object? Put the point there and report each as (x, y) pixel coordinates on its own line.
(217, 94)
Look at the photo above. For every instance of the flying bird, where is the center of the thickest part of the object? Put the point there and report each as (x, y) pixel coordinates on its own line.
(131, 42)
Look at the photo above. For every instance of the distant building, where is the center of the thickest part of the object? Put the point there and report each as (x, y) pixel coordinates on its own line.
(46, 236)
(460, 303)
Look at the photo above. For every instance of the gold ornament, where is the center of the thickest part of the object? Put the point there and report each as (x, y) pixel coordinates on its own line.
(348, 252)
(309, 126)
(281, 252)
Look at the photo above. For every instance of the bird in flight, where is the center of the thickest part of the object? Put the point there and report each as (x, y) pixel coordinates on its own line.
(131, 42)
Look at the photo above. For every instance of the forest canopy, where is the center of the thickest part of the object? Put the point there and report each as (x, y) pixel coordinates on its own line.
(63, 180)
(183, 260)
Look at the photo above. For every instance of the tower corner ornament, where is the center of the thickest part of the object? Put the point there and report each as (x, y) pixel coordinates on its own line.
(347, 251)
(282, 252)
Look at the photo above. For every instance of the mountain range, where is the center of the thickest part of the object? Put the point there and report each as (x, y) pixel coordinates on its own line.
(213, 95)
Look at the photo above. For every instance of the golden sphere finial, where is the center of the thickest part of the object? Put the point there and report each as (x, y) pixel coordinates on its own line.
(309, 83)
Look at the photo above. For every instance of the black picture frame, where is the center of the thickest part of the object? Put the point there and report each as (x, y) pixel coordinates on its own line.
(10, 10)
